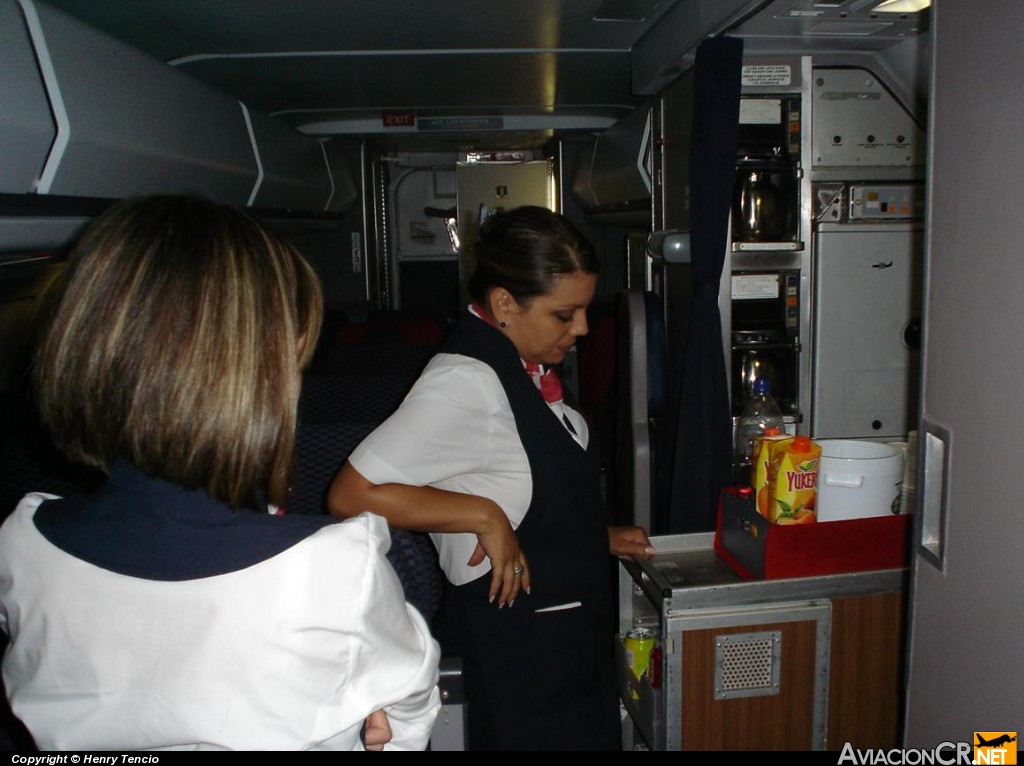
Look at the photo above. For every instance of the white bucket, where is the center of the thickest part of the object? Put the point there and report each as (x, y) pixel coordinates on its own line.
(858, 479)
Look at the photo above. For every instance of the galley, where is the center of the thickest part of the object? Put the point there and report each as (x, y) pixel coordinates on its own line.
(732, 246)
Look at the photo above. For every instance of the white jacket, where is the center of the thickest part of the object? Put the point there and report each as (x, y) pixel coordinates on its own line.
(292, 652)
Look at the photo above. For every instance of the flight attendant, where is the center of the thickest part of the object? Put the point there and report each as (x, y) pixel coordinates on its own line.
(488, 456)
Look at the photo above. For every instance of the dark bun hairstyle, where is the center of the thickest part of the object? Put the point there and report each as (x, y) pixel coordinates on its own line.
(525, 251)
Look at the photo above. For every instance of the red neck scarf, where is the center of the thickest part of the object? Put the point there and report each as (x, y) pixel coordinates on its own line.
(546, 379)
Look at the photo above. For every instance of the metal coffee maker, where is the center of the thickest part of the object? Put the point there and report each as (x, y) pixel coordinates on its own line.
(765, 344)
(764, 198)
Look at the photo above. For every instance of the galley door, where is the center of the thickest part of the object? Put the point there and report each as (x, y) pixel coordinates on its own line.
(486, 186)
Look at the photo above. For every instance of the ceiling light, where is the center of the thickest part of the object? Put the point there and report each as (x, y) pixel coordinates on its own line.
(901, 6)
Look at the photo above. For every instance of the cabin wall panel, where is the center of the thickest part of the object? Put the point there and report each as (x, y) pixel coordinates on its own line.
(345, 166)
(328, 242)
(20, 290)
(328, 250)
(965, 649)
(615, 172)
(866, 671)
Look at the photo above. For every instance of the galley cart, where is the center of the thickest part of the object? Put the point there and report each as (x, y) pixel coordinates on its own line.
(805, 663)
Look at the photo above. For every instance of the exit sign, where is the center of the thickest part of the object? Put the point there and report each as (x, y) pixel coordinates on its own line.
(399, 119)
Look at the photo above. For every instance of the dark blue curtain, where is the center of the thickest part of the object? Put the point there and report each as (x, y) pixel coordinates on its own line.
(704, 438)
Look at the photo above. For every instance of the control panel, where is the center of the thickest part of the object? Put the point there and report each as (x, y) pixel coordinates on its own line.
(878, 202)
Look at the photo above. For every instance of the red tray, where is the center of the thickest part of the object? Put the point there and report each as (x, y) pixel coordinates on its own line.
(755, 549)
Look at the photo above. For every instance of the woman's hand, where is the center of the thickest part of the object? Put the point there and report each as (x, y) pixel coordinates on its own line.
(499, 543)
(428, 509)
(627, 542)
(376, 730)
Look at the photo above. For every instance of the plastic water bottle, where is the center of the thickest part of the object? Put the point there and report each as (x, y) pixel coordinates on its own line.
(760, 412)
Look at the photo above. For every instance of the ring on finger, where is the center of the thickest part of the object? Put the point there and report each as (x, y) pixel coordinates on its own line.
(517, 570)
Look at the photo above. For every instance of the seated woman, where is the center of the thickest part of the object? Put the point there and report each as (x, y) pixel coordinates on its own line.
(169, 610)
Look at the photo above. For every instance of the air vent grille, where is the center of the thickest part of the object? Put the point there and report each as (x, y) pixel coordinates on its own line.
(747, 664)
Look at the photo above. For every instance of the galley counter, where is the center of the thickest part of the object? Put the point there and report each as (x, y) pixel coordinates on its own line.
(805, 663)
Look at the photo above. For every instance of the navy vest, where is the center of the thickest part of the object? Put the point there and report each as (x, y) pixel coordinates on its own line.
(539, 680)
(564, 533)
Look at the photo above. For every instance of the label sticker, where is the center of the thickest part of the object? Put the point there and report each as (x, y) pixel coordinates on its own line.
(357, 253)
(755, 286)
(760, 111)
(755, 75)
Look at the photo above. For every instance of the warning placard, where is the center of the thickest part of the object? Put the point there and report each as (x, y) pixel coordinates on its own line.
(766, 75)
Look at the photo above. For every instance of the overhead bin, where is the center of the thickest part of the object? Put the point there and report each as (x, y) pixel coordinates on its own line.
(296, 171)
(26, 126)
(615, 177)
(128, 124)
(125, 124)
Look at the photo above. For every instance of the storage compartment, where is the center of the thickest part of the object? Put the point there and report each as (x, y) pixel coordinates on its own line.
(755, 549)
(27, 129)
(87, 115)
(765, 663)
(866, 330)
(805, 663)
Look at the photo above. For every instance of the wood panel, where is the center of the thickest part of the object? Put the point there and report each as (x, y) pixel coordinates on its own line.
(866, 671)
(779, 722)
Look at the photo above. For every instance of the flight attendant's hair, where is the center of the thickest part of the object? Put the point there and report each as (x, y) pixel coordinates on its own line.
(175, 342)
(525, 250)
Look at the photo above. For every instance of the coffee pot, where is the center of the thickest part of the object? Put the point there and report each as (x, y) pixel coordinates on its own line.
(759, 210)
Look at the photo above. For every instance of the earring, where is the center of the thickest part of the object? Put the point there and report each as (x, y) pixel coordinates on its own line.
(501, 324)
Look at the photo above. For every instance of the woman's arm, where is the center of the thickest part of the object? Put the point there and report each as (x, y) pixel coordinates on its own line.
(427, 509)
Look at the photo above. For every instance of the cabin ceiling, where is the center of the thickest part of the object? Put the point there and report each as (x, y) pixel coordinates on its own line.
(521, 67)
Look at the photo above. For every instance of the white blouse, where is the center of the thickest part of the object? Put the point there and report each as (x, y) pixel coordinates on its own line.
(456, 431)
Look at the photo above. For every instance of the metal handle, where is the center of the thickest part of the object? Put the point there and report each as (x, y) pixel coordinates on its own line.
(936, 443)
(912, 334)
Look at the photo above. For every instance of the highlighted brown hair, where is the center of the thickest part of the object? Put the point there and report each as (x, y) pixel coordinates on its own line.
(176, 340)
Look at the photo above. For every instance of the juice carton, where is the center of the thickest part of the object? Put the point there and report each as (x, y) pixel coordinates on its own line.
(793, 478)
(760, 466)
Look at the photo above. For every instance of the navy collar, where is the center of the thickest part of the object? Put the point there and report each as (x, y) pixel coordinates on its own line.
(145, 527)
